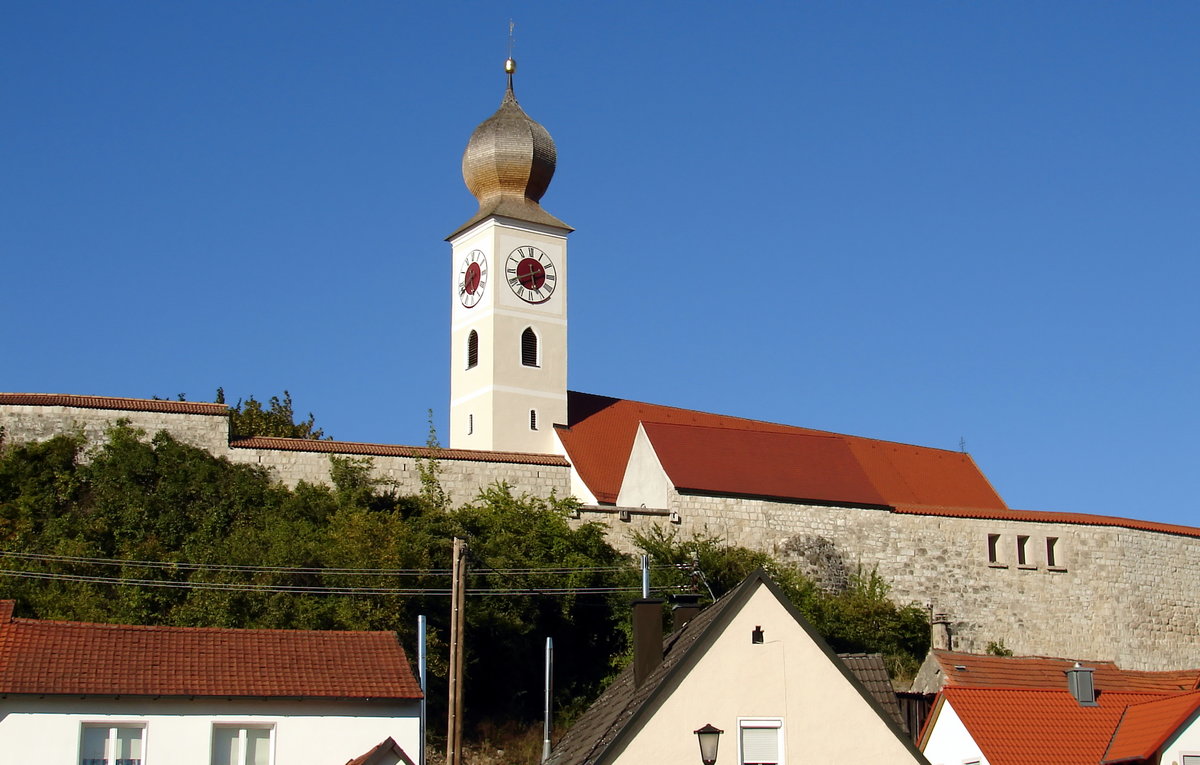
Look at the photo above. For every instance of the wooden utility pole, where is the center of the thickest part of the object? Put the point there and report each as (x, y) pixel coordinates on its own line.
(458, 593)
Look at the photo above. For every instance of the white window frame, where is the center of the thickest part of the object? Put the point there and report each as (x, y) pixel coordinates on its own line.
(762, 722)
(242, 727)
(112, 726)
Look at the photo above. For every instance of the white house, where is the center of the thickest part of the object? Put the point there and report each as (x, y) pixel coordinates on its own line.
(748, 666)
(1057, 726)
(108, 694)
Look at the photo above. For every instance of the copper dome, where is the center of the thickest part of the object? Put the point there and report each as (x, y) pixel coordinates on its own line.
(508, 164)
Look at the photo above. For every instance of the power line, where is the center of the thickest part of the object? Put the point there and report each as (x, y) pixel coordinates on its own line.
(316, 590)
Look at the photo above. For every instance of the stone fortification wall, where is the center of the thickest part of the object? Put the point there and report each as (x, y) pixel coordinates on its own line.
(1126, 594)
(462, 474)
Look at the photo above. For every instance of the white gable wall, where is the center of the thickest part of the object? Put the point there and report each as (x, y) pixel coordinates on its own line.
(179, 732)
(646, 483)
(949, 742)
(787, 677)
(1185, 741)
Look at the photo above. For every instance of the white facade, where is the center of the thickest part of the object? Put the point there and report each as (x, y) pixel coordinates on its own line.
(948, 741)
(181, 732)
(786, 697)
(500, 398)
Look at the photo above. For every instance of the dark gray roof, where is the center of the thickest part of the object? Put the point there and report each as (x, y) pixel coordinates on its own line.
(872, 674)
(614, 715)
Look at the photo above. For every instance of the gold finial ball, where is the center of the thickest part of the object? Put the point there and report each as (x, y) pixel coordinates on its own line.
(510, 65)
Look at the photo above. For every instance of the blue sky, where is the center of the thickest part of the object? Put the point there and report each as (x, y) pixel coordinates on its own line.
(915, 221)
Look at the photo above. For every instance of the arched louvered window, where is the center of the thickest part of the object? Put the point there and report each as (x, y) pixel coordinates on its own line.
(529, 348)
(472, 349)
(533, 419)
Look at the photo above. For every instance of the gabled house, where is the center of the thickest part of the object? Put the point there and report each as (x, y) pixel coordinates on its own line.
(750, 666)
(1027, 726)
(110, 694)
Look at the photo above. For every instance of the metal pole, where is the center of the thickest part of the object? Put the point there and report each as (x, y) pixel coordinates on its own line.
(423, 669)
(549, 699)
(645, 577)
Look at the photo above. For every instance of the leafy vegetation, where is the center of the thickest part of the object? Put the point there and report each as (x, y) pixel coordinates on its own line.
(144, 529)
(278, 418)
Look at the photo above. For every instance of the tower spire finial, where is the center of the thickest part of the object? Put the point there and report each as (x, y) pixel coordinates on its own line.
(510, 64)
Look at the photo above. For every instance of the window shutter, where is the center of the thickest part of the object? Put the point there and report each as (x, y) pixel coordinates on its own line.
(529, 349)
(472, 349)
(760, 745)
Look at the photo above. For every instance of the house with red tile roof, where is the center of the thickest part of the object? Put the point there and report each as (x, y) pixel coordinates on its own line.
(111, 694)
(1055, 726)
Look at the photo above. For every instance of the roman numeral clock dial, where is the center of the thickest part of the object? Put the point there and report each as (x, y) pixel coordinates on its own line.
(530, 274)
(472, 278)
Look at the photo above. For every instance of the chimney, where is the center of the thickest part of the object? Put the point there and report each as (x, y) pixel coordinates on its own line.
(1082, 685)
(939, 637)
(684, 608)
(647, 638)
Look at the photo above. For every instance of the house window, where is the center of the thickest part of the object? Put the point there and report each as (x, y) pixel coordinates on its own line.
(1190, 759)
(241, 745)
(993, 548)
(472, 349)
(104, 744)
(1051, 558)
(759, 742)
(533, 419)
(529, 348)
(470, 424)
(1022, 551)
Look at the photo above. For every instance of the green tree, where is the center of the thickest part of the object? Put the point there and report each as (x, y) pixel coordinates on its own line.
(277, 418)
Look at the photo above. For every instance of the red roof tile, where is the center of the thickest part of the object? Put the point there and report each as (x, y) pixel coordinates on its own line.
(971, 670)
(601, 432)
(1039, 727)
(1145, 728)
(1039, 516)
(388, 450)
(79, 658)
(109, 402)
(752, 462)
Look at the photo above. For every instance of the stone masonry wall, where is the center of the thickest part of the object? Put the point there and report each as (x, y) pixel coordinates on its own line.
(462, 479)
(1128, 595)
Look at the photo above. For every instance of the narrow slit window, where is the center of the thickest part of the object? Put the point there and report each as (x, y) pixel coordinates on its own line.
(993, 548)
(470, 424)
(1022, 548)
(529, 348)
(533, 419)
(472, 349)
(1051, 557)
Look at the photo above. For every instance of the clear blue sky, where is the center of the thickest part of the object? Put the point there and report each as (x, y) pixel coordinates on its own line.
(916, 221)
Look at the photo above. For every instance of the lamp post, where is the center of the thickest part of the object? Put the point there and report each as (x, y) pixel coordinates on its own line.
(708, 737)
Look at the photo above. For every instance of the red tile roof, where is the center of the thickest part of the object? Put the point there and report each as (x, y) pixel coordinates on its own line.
(108, 402)
(385, 751)
(79, 658)
(1039, 727)
(969, 670)
(1039, 516)
(388, 450)
(1145, 728)
(754, 462)
(601, 432)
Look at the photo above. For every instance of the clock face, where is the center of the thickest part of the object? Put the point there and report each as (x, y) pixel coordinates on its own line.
(530, 274)
(472, 278)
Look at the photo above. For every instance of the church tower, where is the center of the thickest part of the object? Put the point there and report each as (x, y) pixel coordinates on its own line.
(508, 355)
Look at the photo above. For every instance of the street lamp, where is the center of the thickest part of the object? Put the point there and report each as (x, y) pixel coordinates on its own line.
(708, 737)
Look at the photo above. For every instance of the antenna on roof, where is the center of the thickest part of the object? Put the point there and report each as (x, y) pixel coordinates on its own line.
(962, 444)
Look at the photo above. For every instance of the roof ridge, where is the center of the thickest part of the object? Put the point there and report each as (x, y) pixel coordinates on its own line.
(63, 623)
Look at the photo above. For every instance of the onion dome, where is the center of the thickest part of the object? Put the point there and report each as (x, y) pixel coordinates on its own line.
(509, 162)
